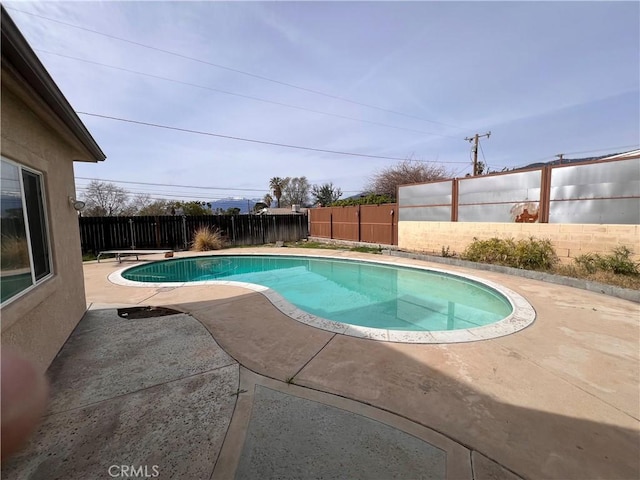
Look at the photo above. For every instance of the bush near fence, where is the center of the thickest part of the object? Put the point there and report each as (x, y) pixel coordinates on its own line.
(176, 232)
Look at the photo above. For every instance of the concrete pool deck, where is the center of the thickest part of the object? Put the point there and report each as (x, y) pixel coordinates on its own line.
(233, 386)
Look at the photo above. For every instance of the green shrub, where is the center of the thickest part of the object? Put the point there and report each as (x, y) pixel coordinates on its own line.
(588, 262)
(535, 254)
(365, 249)
(205, 239)
(494, 250)
(371, 199)
(446, 252)
(618, 262)
(530, 254)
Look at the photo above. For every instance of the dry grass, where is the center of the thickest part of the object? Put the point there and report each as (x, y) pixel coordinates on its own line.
(615, 268)
(205, 239)
(607, 277)
(14, 252)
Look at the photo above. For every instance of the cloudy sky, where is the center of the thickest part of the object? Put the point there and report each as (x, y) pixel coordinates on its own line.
(384, 79)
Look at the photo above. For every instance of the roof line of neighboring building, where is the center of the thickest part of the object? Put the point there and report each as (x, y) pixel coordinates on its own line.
(21, 56)
(630, 154)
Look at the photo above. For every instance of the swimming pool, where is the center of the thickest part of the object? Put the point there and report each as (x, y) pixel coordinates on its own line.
(371, 299)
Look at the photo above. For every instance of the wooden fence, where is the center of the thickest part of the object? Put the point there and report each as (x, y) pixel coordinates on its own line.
(176, 232)
(360, 223)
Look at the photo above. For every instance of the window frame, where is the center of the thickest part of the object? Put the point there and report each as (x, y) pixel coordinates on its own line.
(47, 233)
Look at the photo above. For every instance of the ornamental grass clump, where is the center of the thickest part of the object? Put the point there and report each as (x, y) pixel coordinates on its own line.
(206, 238)
(14, 253)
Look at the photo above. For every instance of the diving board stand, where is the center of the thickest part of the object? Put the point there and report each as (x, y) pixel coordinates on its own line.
(120, 254)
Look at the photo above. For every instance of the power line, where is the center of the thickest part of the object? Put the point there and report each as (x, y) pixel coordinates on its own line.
(144, 191)
(241, 139)
(601, 149)
(550, 157)
(171, 185)
(241, 95)
(163, 196)
(235, 70)
(261, 190)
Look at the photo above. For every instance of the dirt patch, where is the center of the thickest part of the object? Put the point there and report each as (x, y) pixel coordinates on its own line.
(135, 313)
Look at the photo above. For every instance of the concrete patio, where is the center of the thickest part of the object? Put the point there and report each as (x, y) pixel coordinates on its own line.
(233, 388)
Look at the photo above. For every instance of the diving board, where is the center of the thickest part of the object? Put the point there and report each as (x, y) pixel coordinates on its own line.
(131, 253)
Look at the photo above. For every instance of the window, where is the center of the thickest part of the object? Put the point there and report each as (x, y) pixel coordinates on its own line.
(24, 242)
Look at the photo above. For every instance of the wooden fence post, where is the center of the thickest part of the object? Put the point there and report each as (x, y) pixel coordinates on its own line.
(359, 222)
(331, 225)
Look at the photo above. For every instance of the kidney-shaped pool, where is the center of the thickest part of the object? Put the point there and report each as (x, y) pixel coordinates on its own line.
(362, 298)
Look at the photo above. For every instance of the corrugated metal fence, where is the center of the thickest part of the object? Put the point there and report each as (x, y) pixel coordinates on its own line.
(176, 232)
(599, 192)
(360, 223)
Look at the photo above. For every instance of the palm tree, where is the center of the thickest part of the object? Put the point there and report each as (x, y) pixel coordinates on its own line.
(267, 200)
(277, 184)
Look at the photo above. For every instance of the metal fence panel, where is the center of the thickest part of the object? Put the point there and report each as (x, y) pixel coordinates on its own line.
(436, 193)
(511, 188)
(598, 180)
(426, 214)
(498, 198)
(618, 210)
(495, 212)
(606, 192)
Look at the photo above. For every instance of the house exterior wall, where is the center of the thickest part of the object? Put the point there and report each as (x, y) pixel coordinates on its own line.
(569, 240)
(38, 322)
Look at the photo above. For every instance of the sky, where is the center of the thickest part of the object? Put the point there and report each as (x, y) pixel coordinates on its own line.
(384, 79)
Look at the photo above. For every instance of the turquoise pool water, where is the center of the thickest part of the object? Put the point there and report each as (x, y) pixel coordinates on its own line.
(347, 291)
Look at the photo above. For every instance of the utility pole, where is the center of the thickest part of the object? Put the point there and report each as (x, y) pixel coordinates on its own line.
(475, 139)
(560, 157)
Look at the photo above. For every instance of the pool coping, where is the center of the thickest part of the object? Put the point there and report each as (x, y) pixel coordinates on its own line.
(522, 316)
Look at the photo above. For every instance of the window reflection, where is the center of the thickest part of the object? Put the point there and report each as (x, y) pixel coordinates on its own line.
(24, 255)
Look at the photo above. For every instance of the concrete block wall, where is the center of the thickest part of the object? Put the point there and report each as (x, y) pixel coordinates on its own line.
(569, 240)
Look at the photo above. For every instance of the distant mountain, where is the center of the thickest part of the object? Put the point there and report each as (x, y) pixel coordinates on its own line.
(244, 204)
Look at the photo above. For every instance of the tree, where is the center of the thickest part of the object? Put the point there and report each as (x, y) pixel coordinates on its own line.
(277, 185)
(387, 180)
(370, 199)
(232, 211)
(267, 200)
(158, 207)
(105, 199)
(259, 206)
(296, 191)
(325, 194)
(137, 204)
(194, 207)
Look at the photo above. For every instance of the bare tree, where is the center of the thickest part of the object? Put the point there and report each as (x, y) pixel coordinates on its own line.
(387, 180)
(137, 204)
(295, 191)
(105, 199)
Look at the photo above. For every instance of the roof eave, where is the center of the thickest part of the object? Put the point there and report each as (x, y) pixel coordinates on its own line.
(17, 51)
